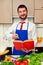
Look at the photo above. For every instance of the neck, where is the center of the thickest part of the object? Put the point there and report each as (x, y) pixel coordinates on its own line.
(22, 20)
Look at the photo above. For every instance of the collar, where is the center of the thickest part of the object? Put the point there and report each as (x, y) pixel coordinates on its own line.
(26, 20)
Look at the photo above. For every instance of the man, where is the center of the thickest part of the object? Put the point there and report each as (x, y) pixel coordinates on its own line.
(22, 30)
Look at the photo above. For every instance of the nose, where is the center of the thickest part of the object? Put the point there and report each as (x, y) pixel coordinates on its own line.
(22, 12)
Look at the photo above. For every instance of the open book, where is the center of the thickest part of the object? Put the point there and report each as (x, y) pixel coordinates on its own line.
(28, 44)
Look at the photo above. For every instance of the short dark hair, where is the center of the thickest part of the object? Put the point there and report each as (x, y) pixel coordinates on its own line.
(22, 6)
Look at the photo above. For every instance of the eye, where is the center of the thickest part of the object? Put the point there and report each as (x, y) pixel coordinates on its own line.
(20, 11)
(24, 10)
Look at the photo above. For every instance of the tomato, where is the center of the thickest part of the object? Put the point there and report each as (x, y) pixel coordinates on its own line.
(17, 63)
(22, 63)
(26, 62)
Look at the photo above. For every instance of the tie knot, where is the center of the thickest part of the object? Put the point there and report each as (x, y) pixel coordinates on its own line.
(21, 25)
(22, 22)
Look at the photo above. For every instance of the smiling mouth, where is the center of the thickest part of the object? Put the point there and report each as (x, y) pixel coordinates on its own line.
(23, 15)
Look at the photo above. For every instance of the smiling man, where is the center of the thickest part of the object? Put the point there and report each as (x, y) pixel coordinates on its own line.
(22, 30)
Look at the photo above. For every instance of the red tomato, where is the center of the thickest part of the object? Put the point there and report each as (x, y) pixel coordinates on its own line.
(22, 63)
(17, 63)
(26, 62)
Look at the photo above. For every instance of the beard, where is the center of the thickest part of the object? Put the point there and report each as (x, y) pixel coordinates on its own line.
(23, 18)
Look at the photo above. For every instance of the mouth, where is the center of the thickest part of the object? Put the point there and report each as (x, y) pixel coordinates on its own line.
(22, 15)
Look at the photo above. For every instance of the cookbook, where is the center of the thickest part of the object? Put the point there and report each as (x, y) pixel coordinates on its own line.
(28, 44)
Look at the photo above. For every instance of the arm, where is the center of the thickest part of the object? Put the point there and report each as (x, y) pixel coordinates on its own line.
(34, 34)
(10, 33)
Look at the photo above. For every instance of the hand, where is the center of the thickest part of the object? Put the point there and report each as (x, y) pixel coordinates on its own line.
(25, 50)
(15, 36)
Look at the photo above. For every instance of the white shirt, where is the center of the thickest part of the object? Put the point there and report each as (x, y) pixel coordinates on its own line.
(32, 33)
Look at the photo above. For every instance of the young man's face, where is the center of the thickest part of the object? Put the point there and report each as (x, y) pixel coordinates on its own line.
(22, 12)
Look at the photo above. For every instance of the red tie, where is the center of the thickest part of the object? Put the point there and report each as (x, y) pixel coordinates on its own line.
(21, 25)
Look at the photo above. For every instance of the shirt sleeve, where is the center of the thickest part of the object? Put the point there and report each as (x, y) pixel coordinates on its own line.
(34, 34)
(9, 32)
